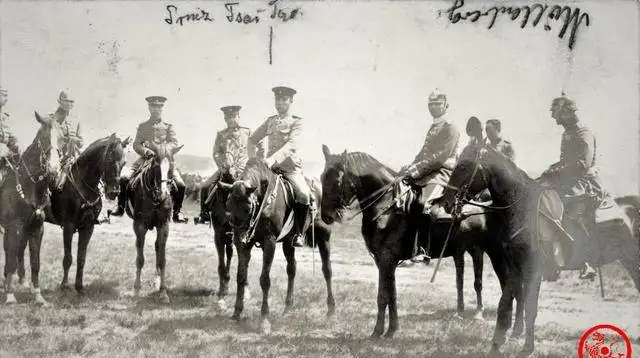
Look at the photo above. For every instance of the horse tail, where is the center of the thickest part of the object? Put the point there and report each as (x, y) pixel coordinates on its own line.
(631, 206)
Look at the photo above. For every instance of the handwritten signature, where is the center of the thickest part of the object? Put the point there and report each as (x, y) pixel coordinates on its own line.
(232, 14)
(571, 18)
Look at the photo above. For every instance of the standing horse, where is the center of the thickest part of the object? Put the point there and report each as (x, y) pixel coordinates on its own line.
(149, 204)
(222, 230)
(77, 205)
(23, 197)
(260, 204)
(388, 235)
(525, 243)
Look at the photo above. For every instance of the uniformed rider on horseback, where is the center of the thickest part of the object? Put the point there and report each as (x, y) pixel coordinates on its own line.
(70, 139)
(282, 132)
(432, 166)
(230, 153)
(154, 134)
(9, 151)
(576, 179)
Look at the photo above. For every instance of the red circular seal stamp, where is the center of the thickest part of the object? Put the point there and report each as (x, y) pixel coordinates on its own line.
(604, 341)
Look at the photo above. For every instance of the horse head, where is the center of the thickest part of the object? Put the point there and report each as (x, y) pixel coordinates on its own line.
(161, 166)
(482, 167)
(337, 191)
(113, 161)
(245, 194)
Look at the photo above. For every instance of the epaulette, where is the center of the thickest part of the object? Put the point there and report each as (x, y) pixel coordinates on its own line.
(296, 117)
(273, 117)
(506, 141)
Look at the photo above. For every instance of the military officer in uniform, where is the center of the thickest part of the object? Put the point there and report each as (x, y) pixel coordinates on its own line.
(282, 131)
(435, 162)
(576, 178)
(154, 135)
(230, 153)
(492, 128)
(70, 139)
(8, 142)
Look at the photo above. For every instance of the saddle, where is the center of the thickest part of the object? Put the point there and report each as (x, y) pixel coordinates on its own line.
(289, 193)
(552, 235)
(410, 198)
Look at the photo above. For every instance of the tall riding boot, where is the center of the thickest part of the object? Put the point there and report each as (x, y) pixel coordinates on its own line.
(122, 199)
(588, 271)
(204, 214)
(301, 211)
(177, 205)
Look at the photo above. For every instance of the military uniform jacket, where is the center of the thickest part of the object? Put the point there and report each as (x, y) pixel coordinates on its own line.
(437, 158)
(505, 147)
(231, 149)
(576, 172)
(283, 135)
(70, 139)
(6, 136)
(156, 136)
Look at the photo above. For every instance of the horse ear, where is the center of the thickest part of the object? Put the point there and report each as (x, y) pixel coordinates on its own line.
(126, 142)
(112, 136)
(251, 189)
(474, 128)
(176, 149)
(326, 152)
(39, 118)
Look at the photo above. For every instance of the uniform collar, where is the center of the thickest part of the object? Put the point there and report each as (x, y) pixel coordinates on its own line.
(156, 120)
(440, 120)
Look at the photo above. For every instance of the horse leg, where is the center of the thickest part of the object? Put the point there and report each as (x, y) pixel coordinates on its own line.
(384, 283)
(11, 244)
(268, 251)
(393, 307)
(223, 273)
(244, 256)
(478, 266)
(35, 242)
(22, 247)
(532, 292)
(162, 235)
(505, 308)
(518, 326)
(84, 236)
(324, 247)
(458, 260)
(633, 268)
(67, 238)
(290, 254)
(140, 231)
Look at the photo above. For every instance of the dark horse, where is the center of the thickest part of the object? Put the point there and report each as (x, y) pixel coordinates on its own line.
(23, 197)
(388, 235)
(526, 249)
(215, 203)
(149, 204)
(260, 204)
(77, 205)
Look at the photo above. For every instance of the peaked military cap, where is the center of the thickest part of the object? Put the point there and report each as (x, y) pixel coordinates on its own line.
(230, 110)
(564, 103)
(436, 96)
(283, 91)
(64, 96)
(156, 100)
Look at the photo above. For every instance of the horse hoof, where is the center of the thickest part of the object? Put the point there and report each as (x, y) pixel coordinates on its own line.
(64, 287)
(494, 353)
(389, 334)
(516, 333)
(164, 298)
(41, 302)
(478, 316)
(265, 327)
(236, 317)
(526, 350)
(222, 304)
(11, 299)
(458, 316)
(331, 312)
(376, 334)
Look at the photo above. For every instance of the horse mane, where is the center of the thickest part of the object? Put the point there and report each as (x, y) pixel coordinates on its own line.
(257, 171)
(510, 166)
(89, 152)
(362, 164)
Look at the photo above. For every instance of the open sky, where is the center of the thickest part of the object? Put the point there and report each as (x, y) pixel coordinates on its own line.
(363, 70)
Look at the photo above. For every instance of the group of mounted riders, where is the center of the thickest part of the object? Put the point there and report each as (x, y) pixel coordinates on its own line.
(276, 142)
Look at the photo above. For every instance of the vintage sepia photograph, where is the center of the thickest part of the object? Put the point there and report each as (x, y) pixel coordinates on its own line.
(337, 178)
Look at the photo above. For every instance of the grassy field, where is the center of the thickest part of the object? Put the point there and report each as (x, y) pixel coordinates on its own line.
(109, 322)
